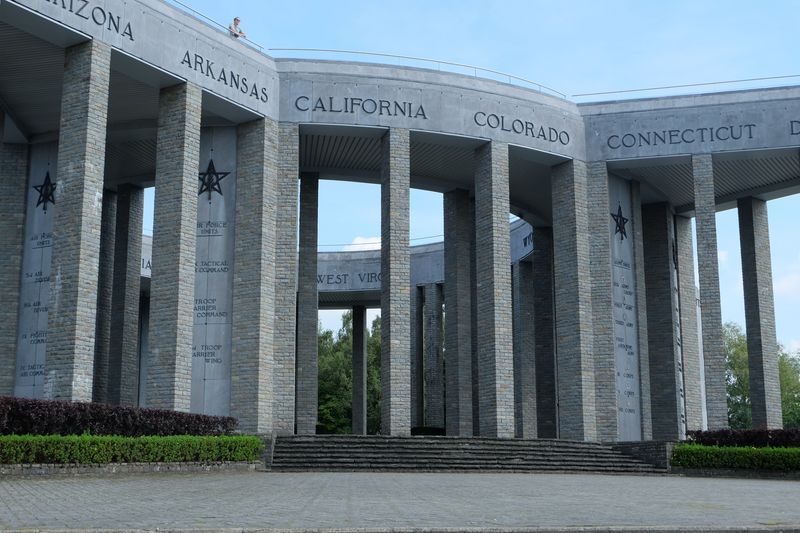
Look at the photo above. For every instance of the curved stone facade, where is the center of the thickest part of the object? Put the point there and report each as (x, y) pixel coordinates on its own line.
(580, 322)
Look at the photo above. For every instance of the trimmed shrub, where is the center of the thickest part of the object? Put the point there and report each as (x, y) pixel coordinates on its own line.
(758, 438)
(700, 456)
(89, 449)
(21, 416)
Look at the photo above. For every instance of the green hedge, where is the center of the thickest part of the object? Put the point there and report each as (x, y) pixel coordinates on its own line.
(91, 449)
(699, 456)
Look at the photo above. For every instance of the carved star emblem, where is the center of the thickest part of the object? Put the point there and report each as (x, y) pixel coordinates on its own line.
(46, 190)
(620, 221)
(209, 180)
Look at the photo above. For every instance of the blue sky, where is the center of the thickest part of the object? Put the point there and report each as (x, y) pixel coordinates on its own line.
(575, 47)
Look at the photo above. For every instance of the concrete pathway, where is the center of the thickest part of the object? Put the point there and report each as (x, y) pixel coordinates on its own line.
(397, 502)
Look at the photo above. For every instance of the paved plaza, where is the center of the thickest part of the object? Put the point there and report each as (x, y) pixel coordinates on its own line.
(396, 502)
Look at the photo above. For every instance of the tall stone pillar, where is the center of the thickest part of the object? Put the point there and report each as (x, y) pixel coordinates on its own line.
(433, 362)
(286, 279)
(573, 300)
(710, 309)
(417, 350)
(76, 232)
(663, 320)
(13, 174)
(543, 325)
(395, 283)
(359, 370)
(307, 307)
(493, 272)
(690, 347)
(169, 375)
(762, 345)
(105, 285)
(605, 381)
(524, 351)
(473, 311)
(252, 349)
(641, 311)
(458, 227)
(123, 368)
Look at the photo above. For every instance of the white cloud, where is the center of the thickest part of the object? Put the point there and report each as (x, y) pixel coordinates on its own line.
(722, 257)
(788, 285)
(793, 346)
(363, 243)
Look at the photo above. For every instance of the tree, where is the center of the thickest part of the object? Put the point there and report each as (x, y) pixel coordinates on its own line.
(737, 376)
(335, 413)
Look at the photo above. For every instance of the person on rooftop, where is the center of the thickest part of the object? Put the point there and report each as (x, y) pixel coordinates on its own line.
(235, 30)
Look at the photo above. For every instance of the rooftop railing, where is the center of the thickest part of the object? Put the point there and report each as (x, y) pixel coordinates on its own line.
(472, 70)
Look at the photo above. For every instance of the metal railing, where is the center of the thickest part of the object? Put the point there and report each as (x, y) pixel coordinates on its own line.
(510, 78)
(473, 70)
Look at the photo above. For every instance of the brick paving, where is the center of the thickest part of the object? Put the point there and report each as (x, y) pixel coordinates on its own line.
(398, 502)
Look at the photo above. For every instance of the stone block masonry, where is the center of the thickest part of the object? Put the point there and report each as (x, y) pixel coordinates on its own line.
(253, 329)
(433, 362)
(690, 347)
(710, 307)
(573, 302)
(123, 368)
(359, 370)
(759, 311)
(641, 310)
(76, 229)
(458, 228)
(524, 351)
(168, 382)
(546, 412)
(664, 350)
(105, 289)
(493, 293)
(395, 284)
(286, 278)
(13, 174)
(307, 306)
(602, 322)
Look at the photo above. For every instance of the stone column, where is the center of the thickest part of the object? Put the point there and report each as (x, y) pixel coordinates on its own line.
(395, 284)
(710, 310)
(433, 362)
(458, 226)
(690, 347)
(169, 376)
(543, 325)
(641, 311)
(573, 301)
(417, 349)
(359, 370)
(76, 227)
(762, 345)
(253, 323)
(13, 174)
(524, 351)
(663, 320)
(123, 369)
(307, 307)
(493, 272)
(605, 381)
(105, 285)
(473, 311)
(286, 279)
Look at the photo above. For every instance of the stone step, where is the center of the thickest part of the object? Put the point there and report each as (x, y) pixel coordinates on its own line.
(364, 453)
(432, 455)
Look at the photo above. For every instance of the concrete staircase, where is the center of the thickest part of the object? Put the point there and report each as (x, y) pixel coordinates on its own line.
(449, 454)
